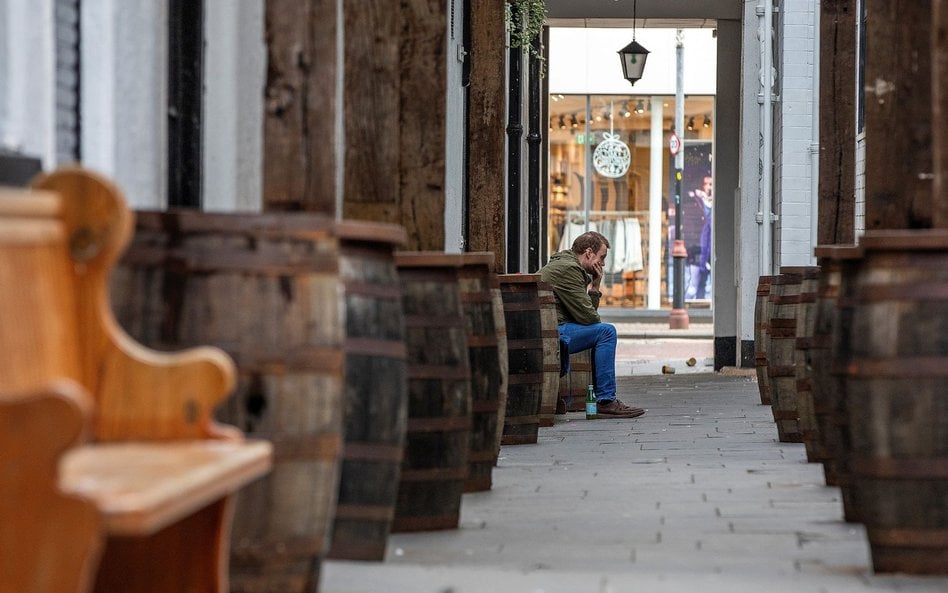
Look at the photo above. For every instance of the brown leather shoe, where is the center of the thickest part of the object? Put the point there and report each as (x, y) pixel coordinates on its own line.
(616, 409)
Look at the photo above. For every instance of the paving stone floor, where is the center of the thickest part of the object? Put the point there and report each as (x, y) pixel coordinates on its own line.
(696, 496)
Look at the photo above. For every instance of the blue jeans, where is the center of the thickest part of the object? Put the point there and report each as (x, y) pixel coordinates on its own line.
(602, 338)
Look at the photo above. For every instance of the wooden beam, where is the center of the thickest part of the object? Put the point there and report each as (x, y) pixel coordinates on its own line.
(299, 158)
(485, 131)
(837, 184)
(422, 121)
(899, 162)
(940, 110)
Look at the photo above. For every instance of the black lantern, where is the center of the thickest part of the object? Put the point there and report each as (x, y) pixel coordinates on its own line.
(633, 58)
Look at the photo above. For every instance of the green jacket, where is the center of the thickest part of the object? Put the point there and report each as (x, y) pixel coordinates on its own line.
(569, 281)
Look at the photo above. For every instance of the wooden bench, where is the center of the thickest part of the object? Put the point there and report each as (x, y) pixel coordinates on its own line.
(159, 471)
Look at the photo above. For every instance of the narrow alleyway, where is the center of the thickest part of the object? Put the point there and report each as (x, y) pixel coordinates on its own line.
(698, 495)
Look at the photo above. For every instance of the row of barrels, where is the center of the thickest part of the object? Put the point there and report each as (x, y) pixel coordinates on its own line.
(852, 356)
(387, 381)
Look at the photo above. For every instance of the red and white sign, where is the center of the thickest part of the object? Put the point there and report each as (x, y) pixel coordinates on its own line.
(674, 144)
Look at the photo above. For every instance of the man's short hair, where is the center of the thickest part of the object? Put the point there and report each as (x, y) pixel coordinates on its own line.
(591, 240)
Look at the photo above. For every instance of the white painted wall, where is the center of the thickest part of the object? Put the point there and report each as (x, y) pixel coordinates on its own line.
(747, 244)
(27, 79)
(587, 61)
(124, 96)
(793, 179)
(454, 239)
(235, 62)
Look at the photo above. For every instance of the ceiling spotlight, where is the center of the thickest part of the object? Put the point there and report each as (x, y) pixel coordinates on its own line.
(626, 112)
(573, 122)
(691, 123)
(707, 120)
(640, 107)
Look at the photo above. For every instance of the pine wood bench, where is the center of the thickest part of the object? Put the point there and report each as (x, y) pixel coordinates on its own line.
(157, 468)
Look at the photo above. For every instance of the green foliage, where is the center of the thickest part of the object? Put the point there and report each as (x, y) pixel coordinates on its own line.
(525, 29)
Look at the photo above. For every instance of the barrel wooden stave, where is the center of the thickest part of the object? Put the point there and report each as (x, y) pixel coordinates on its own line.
(551, 354)
(477, 282)
(761, 319)
(781, 344)
(806, 325)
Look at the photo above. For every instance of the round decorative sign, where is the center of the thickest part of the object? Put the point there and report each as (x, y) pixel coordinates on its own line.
(612, 156)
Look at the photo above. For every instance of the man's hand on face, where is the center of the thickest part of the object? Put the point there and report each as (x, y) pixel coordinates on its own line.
(593, 263)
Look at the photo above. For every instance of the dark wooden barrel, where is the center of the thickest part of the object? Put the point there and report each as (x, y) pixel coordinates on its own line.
(574, 385)
(896, 371)
(781, 344)
(522, 312)
(551, 354)
(266, 289)
(376, 390)
(806, 316)
(477, 282)
(838, 264)
(761, 320)
(435, 465)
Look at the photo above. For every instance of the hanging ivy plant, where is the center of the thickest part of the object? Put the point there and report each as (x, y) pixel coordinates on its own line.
(524, 20)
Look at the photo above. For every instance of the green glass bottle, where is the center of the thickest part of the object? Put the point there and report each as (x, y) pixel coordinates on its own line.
(591, 408)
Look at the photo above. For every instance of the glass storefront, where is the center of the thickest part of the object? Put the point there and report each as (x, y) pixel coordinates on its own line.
(611, 171)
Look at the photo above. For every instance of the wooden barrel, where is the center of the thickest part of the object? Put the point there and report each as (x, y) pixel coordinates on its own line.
(806, 316)
(761, 320)
(574, 385)
(477, 284)
(895, 373)
(376, 390)
(522, 312)
(781, 343)
(266, 290)
(838, 264)
(551, 353)
(435, 465)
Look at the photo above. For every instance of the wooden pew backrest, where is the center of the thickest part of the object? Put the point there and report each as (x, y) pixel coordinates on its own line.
(57, 246)
(50, 541)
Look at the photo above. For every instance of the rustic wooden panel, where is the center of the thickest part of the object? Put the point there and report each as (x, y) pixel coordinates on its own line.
(899, 163)
(940, 109)
(371, 110)
(299, 160)
(422, 120)
(836, 222)
(485, 129)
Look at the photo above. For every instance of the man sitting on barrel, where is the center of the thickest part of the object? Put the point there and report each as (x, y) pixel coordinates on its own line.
(575, 275)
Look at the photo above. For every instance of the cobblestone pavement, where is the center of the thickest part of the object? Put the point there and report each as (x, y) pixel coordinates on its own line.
(696, 496)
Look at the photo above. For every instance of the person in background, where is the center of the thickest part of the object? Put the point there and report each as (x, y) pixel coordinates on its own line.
(696, 232)
(575, 275)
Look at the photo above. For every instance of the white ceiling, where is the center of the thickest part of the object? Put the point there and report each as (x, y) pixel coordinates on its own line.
(649, 13)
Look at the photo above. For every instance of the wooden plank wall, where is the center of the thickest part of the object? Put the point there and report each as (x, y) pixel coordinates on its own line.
(940, 110)
(899, 162)
(299, 160)
(837, 183)
(370, 111)
(422, 121)
(395, 110)
(486, 202)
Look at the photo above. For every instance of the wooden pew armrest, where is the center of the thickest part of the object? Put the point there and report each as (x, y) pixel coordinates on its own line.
(142, 487)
